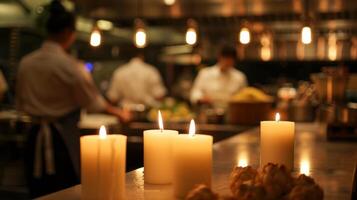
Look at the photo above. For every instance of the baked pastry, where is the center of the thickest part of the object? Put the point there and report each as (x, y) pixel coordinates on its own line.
(273, 182)
(306, 189)
(276, 180)
(246, 184)
(202, 192)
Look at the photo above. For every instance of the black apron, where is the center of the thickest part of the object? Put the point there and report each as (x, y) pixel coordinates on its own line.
(52, 156)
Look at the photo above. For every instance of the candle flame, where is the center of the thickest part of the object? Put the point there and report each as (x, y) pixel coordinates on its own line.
(102, 132)
(305, 167)
(242, 159)
(242, 162)
(161, 124)
(277, 117)
(192, 129)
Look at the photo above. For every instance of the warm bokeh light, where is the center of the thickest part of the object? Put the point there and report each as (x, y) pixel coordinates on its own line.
(169, 2)
(277, 117)
(305, 167)
(95, 38)
(191, 36)
(161, 123)
(244, 36)
(266, 47)
(140, 38)
(306, 37)
(265, 53)
(102, 132)
(104, 25)
(332, 47)
(192, 129)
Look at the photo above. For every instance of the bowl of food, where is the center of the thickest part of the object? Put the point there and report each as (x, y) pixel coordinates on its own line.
(249, 106)
(172, 111)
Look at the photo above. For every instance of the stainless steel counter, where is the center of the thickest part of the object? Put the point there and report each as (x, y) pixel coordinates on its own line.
(331, 164)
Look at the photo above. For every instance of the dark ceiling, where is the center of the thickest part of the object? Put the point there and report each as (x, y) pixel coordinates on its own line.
(128, 9)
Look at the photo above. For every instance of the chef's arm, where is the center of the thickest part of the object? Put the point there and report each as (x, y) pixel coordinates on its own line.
(123, 114)
(88, 97)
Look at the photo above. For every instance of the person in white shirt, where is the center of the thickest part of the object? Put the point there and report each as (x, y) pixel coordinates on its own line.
(216, 84)
(52, 89)
(136, 82)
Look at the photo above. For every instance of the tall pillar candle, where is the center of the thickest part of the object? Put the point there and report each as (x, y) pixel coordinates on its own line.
(103, 166)
(277, 142)
(192, 161)
(158, 150)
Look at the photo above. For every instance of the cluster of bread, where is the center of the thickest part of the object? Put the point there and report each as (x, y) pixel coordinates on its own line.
(273, 182)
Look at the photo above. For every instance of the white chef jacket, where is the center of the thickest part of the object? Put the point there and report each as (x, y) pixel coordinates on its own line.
(136, 83)
(50, 83)
(211, 82)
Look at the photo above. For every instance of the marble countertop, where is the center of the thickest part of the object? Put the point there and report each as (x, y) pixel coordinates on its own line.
(331, 164)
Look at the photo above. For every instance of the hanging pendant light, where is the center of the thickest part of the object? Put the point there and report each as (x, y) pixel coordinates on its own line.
(140, 37)
(306, 36)
(95, 37)
(244, 35)
(307, 19)
(191, 33)
(266, 47)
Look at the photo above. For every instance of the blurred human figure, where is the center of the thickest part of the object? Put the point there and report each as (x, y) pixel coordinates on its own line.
(52, 89)
(216, 84)
(136, 82)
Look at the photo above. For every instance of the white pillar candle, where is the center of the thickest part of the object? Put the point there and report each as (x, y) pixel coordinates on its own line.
(192, 161)
(103, 166)
(277, 142)
(158, 149)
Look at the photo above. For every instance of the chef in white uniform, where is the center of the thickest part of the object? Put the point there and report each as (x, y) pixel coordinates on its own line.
(136, 82)
(216, 84)
(52, 89)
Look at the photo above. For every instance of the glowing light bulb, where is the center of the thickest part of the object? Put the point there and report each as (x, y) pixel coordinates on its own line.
(191, 36)
(277, 117)
(95, 38)
(102, 132)
(244, 36)
(169, 2)
(140, 38)
(306, 37)
(161, 124)
(192, 129)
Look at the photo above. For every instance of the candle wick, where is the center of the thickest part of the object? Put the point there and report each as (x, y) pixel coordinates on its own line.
(161, 130)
